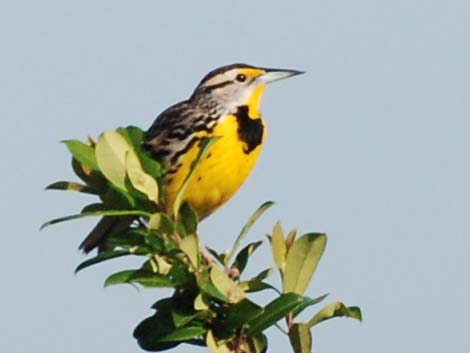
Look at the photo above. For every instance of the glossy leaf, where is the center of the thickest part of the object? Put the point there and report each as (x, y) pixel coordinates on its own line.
(161, 222)
(154, 241)
(72, 186)
(216, 255)
(212, 345)
(240, 314)
(187, 220)
(291, 238)
(163, 305)
(150, 331)
(143, 277)
(83, 153)
(225, 285)
(302, 260)
(183, 313)
(184, 333)
(116, 198)
(254, 217)
(253, 286)
(336, 309)
(256, 284)
(264, 274)
(160, 265)
(131, 237)
(307, 302)
(300, 338)
(111, 149)
(278, 245)
(140, 180)
(274, 311)
(207, 287)
(201, 302)
(190, 246)
(92, 178)
(104, 256)
(135, 137)
(242, 258)
(97, 214)
(257, 344)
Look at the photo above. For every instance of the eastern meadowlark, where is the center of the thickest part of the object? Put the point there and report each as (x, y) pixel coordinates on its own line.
(224, 104)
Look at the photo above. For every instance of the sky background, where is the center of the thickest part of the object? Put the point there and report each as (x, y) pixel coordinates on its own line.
(371, 146)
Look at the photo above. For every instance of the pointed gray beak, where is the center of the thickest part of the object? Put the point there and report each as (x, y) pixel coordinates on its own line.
(272, 75)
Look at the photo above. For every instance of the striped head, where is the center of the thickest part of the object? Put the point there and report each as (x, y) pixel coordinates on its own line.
(236, 85)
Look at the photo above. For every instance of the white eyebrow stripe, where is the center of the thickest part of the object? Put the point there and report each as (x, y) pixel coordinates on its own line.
(222, 77)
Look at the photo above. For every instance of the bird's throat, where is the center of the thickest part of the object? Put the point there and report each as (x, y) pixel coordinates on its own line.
(254, 102)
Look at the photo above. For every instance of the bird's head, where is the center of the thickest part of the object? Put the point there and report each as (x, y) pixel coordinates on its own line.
(239, 84)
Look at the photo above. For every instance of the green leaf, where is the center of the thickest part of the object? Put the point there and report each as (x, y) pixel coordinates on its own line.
(257, 344)
(274, 311)
(187, 220)
(181, 319)
(93, 207)
(116, 198)
(302, 260)
(158, 264)
(161, 222)
(242, 258)
(83, 153)
(336, 309)
(253, 286)
(155, 242)
(104, 256)
(130, 239)
(72, 186)
(254, 217)
(278, 245)
(306, 302)
(213, 346)
(149, 332)
(205, 146)
(225, 285)
(264, 274)
(135, 137)
(111, 149)
(216, 255)
(97, 214)
(92, 178)
(182, 306)
(291, 238)
(140, 180)
(163, 305)
(184, 333)
(207, 287)
(300, 338)
(240, 314)
(201, 302)
(143, 277)
(256, 284)
(190, 246)
(150, 165)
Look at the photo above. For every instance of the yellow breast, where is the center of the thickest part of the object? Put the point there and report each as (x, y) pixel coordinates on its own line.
(220, 174)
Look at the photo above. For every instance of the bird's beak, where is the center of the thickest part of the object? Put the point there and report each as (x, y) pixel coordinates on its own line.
(272, 75)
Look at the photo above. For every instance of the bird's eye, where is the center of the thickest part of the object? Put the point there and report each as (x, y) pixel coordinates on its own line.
(240, 78)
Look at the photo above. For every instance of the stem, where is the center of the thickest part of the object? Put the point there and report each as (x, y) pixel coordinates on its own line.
(281, 329)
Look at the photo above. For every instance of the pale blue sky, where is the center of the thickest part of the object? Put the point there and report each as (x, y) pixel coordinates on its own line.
(371, 147)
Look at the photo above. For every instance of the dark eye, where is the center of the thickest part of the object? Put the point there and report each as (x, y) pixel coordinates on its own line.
(240, 78)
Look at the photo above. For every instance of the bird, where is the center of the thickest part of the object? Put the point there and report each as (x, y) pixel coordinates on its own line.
(225, 104)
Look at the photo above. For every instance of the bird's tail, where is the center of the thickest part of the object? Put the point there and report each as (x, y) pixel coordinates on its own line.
(105, 228)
